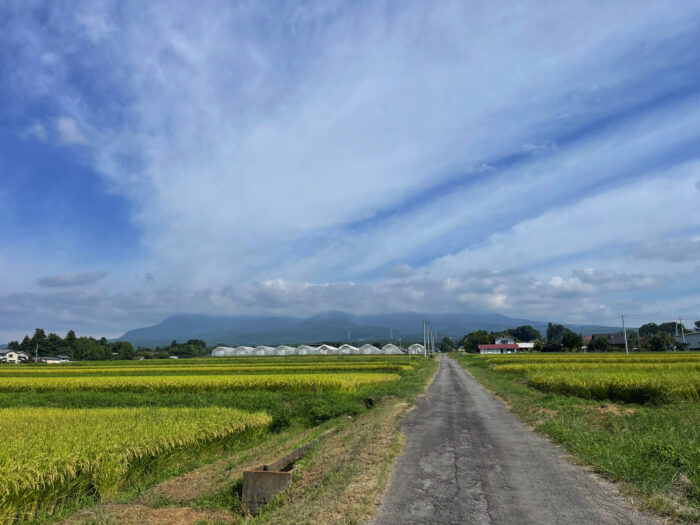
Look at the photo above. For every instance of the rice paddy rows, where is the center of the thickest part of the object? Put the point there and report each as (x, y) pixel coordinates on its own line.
(643, 378)
(164, 413)
(94, 451)
(60, 371)
(198, 383)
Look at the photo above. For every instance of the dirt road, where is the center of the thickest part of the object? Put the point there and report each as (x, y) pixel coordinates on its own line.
(467, 459)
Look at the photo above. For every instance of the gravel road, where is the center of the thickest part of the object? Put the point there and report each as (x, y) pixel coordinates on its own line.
(467, 459)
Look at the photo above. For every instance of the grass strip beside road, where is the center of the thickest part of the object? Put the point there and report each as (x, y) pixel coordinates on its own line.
(653, 451)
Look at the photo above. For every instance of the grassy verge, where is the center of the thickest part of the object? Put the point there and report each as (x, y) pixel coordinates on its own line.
(653, 451)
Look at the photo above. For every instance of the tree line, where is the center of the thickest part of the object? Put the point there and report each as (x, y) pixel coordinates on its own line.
(91, 349)
(649, 337)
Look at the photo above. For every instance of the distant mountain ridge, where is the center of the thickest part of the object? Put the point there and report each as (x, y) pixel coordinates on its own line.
(328, 326)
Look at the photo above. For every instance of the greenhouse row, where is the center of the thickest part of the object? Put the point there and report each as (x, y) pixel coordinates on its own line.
(243, 351)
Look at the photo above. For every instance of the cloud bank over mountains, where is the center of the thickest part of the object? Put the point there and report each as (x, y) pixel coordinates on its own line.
(279, 158)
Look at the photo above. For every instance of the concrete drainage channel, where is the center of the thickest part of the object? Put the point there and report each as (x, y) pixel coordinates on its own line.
(263, 483)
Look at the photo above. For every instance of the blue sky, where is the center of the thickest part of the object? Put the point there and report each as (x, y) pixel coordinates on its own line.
(540, 160)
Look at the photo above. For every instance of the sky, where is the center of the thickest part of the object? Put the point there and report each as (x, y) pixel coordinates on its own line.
(535, 159)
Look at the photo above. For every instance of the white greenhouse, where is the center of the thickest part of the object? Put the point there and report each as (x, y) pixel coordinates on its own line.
(348, 350)
(391, 349)
(242, 351)
(306, 350)
(369, 350)
(285, 350)
(327, 350)
(416, 349)
(221, 351)
(264, 350)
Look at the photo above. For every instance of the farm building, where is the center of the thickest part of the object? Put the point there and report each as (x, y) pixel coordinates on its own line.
(348, 350)
(499, 349)
(504, 340)
(526, 346)
(285, 350)
(307, 350)
(264, 350)
(416, 349)
(327, 350)
(391, 349)
(221, 351)
(16, 357)
(369, 349)
(692, 340)
(242, 351)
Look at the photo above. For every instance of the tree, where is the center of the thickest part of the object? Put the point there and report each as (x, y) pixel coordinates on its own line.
(555, 333)
(472, 341)
(125, 350)
(26, 346)
(648, 329)
(572, 340)
(697, 325)
(599, 344)
(525, 333)
(659, 342)
(447, 344)
(197, 342)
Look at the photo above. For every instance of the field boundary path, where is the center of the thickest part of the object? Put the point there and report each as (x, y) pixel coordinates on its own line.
(467, 459)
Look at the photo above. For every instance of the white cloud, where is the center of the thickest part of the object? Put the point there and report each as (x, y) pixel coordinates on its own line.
(355, 140)
(36, 130)
(68, 131)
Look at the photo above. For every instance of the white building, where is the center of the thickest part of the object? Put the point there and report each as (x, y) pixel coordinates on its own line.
(416, 349)
(348, 350)
(263, 350)
(307, 350)
(242, 351)
(285, 350)
(391, 349)
(369, 350)
(526, 346)
(16, 357)
(221, 351)
(692, 340)
(327, 350)
(504, 340)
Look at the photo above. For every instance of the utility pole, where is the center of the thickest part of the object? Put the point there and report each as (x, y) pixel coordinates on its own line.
(583, 342)
(36, 354)
(680, 321)
(425, 340)
(624, 332)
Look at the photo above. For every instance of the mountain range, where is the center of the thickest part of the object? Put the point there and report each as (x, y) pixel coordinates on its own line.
(329, 326)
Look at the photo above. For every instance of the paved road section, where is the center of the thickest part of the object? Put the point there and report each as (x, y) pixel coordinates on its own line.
(467, 460)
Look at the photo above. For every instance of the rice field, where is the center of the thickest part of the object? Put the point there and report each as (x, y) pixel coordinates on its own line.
(85, 432)
(642, 378)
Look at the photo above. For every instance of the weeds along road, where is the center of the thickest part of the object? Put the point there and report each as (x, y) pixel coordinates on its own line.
(467, 459)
